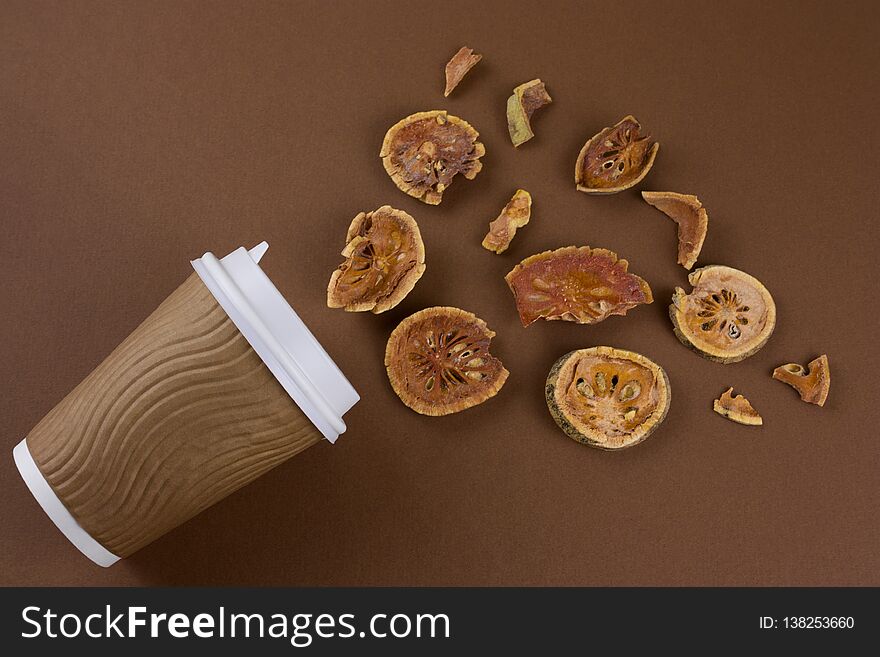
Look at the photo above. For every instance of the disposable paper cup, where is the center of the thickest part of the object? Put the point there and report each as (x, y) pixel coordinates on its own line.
(220, 384)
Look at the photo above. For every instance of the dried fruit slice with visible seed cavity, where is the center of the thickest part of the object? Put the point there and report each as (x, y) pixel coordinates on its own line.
(691, 217)
(575, 284)
(526, 98)
(423, 153)
(727, 316)
(514, 215)
(438, 361)
(812, 383)
(385, 257)
(606, 397)
(615, 159)
(457, 67)
(737, 409)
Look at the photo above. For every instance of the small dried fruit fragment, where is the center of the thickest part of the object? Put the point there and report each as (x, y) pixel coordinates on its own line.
(521, 105)
(423, 153)
(737, 409)
(576, 284)
(615, 159)
(691, 217)
(812, 383)
(385, 257)
(606, 397)
(438, 361)
(727, 317)
(457, 67)
(514, 215)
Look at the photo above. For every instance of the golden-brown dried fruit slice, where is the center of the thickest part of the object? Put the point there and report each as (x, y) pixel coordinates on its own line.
(423, 153)
(728, 315)
(457, 67)
(438, 361)
(606, 397)
(576, 284)
(385, 257)
(691, 217)
(526, 98)
(737, 409)
(514, 215)
(812, 383)
(615, 159)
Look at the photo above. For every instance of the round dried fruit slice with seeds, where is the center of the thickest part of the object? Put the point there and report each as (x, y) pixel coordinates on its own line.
(385, 257)
(576, 284)
(423, 153)
(438, 361)
(728, 315)
(615, 159)
(606, 397)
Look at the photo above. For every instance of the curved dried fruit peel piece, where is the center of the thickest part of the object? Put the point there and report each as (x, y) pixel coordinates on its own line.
(737, 409)
(575, 284)
(526, 98)
(423, 153)
(457, 67)
(515, 215)
(385, 257)
(691, 217)
(606, 397)
(812, 383)
(727, 317)
(615, 159)
(438, 361)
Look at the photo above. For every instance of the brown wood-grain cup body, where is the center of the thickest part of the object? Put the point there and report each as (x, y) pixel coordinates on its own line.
(178, 416)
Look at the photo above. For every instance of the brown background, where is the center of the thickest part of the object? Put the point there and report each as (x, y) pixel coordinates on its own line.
(135, 136)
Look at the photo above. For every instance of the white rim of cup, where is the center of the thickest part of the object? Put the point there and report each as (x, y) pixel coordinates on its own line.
(55, 509)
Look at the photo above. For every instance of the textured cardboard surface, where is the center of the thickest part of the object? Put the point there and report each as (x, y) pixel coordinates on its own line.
(180, 415)
(135, 136)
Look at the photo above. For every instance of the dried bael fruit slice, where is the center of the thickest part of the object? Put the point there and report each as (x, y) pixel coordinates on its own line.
(385, 257)
(812, 383)
(606, 397)
(514, 215)
(737, 409)
(438, 361)
(728, 315)
(615, 159)
(457, 67)
(576, 284)
(423, 153)
(691, 217)
(521, 105)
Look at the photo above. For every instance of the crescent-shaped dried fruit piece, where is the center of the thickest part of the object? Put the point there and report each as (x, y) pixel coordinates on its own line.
(615, 159)
(812, 383)
(384, 258)
(691, 217)
(514, 215)
(438, 361)
(727, 316)
(606, 397)
(424, 152)
(737, 409)
(575, 284)
(526, 98)
(457, 67)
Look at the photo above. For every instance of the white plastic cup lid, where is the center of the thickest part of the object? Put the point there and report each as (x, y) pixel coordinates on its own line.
(279, 336)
